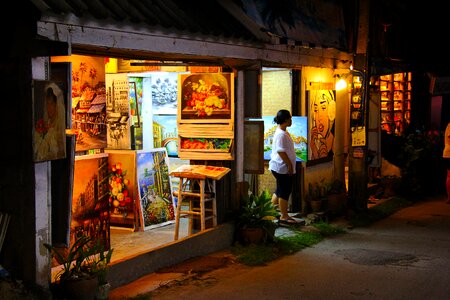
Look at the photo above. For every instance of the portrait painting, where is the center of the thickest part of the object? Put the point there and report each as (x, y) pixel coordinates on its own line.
(49, 119)
(322, 115)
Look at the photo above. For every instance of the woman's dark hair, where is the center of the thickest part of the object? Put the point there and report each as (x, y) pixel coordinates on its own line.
(282, 116)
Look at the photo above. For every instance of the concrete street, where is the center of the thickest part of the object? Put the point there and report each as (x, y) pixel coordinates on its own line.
(405, 256)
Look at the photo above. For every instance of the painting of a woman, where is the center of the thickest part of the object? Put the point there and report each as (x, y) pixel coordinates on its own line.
(49, 127)
(323, 114)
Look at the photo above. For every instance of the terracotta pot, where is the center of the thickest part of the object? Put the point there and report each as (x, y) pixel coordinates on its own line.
(337, 203)
(252, 235)
(316, 205)
(80, 289)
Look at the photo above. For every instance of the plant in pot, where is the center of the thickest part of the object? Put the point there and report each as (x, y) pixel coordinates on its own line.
(81, 263)
(255, 223)
(337, 197)
(316, 194)
(102, 266)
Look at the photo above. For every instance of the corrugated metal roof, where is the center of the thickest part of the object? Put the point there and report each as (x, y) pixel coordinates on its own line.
(96, 108)
(206, 17)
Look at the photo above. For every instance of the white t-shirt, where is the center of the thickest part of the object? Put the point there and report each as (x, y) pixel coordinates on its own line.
(282, 142)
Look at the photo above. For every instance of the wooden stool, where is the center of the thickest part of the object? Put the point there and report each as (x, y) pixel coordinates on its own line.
(195, 191)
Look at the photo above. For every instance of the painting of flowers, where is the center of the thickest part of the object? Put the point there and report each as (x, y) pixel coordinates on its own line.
(122, 187)
(155, 191)
(205, 97)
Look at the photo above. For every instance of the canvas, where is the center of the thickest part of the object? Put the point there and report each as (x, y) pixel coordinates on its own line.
(298, 131)
(155, 190)
(123, 194)
(90, 206)
(49, 134)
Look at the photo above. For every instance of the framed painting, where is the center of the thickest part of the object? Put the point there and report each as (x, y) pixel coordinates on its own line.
(165, 133)
(123, 194)
(299, 134)
(321, 106)
(155, 190)
(254, 146)
(118, 117)
(206, 98)
(49, 119)
(90, 205)
(164, 92)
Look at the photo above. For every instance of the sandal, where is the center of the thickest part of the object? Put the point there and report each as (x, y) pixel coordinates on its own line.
(289, 221)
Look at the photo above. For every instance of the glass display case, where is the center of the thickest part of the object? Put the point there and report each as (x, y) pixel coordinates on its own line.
(395, 102)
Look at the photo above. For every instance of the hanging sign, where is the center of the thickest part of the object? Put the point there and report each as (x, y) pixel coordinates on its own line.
(358, 136)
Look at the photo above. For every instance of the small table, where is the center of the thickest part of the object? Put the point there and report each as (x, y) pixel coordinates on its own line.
(197, 185)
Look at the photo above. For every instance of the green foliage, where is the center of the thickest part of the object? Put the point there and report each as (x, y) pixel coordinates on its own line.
(83, 259)
(256, 255)
(257, 212)
(326, 229)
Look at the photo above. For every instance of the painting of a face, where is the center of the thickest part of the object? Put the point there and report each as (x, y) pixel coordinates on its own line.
(320, 110)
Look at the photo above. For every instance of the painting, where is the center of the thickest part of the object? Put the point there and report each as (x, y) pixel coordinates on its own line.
(322, 113)
(88, 111)
(298, 131)
(118, 112)
(155, 190)
(49, 134)
(206, 98)
(164, 92)
(90, 206)
(254, 147)
(123, 192)
(165, 133)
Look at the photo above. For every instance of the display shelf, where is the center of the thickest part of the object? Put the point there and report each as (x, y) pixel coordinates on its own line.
(395, 90)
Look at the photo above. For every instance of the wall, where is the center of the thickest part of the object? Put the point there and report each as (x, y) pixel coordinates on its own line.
(276, 94)
(276, 91)
(334, 169)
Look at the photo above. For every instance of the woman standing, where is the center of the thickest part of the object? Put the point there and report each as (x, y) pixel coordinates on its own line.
(446, 156)
(282, 164)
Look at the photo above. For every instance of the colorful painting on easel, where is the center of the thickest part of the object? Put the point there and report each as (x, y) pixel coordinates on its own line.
(155, 192)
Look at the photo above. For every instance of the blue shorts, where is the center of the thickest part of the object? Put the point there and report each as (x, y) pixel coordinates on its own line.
(284, 185)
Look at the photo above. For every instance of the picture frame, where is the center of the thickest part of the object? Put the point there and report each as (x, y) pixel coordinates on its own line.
(254, 146)
(90, 199)
(206, 98)
(165, 133)
(299, 134)
(156, 206)
(123, 194)
(49, 119)
(321, 110)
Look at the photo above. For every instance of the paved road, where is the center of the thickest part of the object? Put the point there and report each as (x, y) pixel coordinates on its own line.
(405, 256)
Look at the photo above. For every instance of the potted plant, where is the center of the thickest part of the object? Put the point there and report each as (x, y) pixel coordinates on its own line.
(316, 195)
(255, 222)
(337, 197)
(82, 264)
(102, 267)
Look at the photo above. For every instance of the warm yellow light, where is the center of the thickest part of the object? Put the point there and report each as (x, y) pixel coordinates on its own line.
(341, 84)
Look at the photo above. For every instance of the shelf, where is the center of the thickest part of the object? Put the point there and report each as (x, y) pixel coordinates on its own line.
(395, 101)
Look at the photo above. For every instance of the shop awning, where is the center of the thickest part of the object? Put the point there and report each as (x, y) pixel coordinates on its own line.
(99, 99)
(82, 110)
(96, 108)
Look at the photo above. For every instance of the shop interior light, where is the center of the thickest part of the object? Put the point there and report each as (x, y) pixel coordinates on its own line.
(173, 63)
